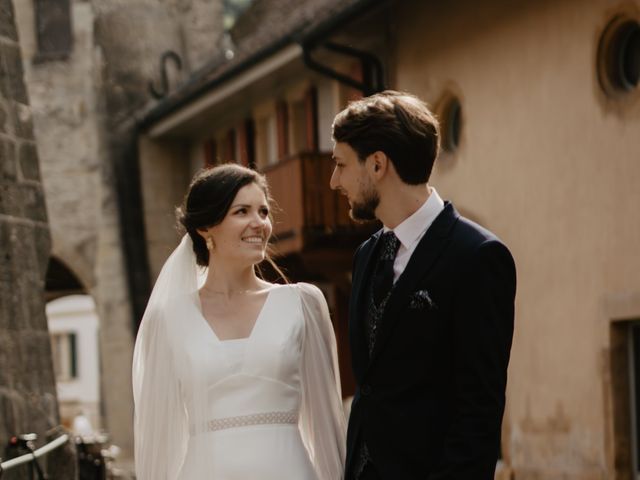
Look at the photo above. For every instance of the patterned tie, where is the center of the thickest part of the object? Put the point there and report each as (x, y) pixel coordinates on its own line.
(383, 275)
(381, 284)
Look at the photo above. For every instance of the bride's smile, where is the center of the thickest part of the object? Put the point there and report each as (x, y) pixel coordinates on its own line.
(243, 234)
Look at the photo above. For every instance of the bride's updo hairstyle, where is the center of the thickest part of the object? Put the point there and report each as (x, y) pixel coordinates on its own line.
(209, 198)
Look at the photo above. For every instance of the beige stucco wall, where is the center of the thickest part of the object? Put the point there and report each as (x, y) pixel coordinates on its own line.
(551, 166)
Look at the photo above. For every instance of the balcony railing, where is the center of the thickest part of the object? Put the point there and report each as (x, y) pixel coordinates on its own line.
(306, 208)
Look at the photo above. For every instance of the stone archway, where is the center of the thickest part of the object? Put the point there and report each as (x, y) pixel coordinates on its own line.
(61, 281)
(112, 343)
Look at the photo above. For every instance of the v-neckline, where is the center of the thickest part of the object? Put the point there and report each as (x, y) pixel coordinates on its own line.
(255, 322)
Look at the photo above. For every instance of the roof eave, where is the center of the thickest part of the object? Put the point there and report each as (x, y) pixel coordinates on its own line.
(187, 94)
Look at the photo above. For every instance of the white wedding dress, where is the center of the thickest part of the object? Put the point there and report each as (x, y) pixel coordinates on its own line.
(266, 407)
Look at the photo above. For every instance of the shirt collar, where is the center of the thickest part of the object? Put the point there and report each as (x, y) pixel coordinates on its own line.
(410, 230)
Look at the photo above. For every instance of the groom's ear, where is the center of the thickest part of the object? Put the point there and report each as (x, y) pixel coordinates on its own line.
(377, 164)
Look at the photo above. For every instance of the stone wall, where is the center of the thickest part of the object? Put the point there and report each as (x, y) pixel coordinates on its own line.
(84, 110)
(82, 203)
(27, 387)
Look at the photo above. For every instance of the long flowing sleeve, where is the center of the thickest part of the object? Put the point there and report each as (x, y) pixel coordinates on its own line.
(322, 421)
(160, 420)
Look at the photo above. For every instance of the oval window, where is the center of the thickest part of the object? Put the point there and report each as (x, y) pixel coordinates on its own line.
(619, 55)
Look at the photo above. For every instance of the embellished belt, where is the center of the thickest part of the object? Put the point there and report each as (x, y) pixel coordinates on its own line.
(266, 418)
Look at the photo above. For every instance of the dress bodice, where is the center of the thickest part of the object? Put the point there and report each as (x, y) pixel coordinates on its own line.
(267, 406)
(258, 374)
(234, 352)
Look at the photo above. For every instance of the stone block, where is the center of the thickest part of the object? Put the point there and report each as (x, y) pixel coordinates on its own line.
(6, 413)
(9, 356)
(19, 409)
(22, 120)
(7, 21)
(12, 83)
(5, 299)
(23, 201)
(10, 199)
(3, 119)
(5, 342)
(21, 246)
(8, 170)
(43, 251)
(6, 281)
(33, 202)
(37, 361)
(29, 161)
(38, 319)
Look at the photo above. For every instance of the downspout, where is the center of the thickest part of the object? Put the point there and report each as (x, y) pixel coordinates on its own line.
(124, 148)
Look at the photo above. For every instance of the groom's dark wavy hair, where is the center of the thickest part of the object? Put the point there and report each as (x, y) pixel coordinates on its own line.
(396, 123)
(208, 200)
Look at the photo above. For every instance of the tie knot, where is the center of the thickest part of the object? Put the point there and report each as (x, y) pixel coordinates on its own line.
(389, 245)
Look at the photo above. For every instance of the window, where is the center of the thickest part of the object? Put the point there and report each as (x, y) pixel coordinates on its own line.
(53, 29)
(65, 357)
(302, 111)
(450, 123)
(298, 125)
(266, 141)
(619, 56)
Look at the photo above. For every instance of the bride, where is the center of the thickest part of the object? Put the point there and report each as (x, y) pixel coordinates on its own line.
(236, 378)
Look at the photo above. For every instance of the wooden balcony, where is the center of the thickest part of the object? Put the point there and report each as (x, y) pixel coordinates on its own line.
(309, 216)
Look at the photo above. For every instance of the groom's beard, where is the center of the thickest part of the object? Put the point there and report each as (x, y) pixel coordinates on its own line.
(365, 209)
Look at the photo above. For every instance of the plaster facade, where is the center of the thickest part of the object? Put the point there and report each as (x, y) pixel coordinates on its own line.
(550, 163)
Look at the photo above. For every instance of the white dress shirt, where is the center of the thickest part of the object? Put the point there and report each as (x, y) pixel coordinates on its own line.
(413, 228)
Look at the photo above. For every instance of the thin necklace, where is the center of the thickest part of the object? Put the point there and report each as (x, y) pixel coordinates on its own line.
(235, 292)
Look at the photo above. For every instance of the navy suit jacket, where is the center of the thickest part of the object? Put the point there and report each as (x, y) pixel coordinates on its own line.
(429, 402)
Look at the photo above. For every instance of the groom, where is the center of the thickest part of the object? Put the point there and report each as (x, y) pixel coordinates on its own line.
(431, 310)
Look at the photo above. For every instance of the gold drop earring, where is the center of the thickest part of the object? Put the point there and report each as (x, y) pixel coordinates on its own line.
(209, 243)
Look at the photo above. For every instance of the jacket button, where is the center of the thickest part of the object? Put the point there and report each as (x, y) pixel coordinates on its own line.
(366, 390)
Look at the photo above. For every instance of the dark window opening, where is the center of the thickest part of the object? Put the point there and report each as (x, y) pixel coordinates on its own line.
(53, 30)
(619, 56)
(451, 126)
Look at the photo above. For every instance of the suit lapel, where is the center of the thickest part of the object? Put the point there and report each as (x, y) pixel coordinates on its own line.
(422, 259)
(357, 312)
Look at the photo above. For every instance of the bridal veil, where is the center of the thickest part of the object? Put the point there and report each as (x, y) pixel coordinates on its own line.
(163, 377)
